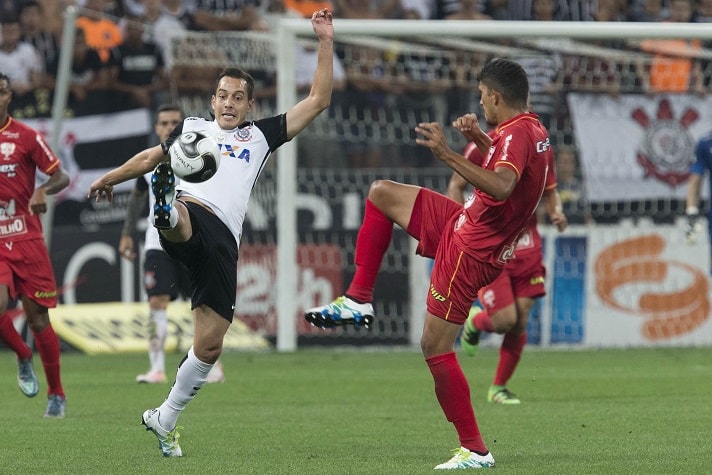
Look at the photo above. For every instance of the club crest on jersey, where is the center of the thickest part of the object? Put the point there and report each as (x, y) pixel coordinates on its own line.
(7, 149)
(243, 135)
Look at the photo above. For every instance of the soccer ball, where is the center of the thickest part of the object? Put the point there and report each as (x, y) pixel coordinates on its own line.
(195, 157)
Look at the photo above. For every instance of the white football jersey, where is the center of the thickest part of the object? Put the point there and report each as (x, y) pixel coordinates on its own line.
(244, 152)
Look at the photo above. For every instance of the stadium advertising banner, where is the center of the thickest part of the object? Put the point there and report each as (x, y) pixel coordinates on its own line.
(648, 287)
(621, 286)
(636, 146)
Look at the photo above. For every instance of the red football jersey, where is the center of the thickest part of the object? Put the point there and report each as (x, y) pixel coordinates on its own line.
(528, 248)
(489, 229)
(22, 152)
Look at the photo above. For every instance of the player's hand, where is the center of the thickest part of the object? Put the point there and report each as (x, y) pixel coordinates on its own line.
(559, 220)
(322, 23)
(468, 125)
(38, 201)
(432, 136)
(126, 248)
(692, 228)
(101, 188)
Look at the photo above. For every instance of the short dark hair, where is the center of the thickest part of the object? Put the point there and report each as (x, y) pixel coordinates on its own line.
(28, 4)
(238, 73)
(169, 108)
(4, 77)
(509, 79)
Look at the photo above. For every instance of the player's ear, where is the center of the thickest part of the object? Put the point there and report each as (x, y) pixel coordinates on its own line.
(212, 102)
(250, 105)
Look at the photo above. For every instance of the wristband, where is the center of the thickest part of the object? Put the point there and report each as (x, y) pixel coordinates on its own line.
(692, 210)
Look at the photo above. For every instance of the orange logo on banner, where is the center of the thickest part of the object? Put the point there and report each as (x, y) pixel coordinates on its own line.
(668, 313)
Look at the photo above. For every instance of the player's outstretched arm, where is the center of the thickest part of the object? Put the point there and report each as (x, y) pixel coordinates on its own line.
(306, 110)
(140, 164)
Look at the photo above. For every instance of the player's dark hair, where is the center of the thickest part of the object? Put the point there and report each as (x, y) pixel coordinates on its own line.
(238, 74)
(169, 108)
(4, 77)
(509, 79)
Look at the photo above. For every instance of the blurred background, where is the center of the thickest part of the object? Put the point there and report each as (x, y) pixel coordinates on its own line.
(624, 115)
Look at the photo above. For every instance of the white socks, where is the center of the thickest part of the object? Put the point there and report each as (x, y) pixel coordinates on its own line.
(190, 377)
(159, 332)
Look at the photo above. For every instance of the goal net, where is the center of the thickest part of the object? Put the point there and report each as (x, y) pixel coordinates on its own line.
(624, 104)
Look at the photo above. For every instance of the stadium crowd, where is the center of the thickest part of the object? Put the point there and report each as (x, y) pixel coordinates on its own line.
(124, 56)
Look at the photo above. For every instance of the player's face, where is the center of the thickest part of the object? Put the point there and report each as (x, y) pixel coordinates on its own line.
(166, 122)
(487, 101)
(230, 103)
(5, 96)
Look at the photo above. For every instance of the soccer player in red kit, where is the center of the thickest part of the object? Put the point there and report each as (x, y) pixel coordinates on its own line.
(25, 268)
(509, 299)
(470, 243)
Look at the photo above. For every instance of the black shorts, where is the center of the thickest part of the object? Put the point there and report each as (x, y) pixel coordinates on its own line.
(210, 255)
(163, 275)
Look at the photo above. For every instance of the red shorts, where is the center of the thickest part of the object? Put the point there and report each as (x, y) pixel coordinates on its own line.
(520, 278)
(26, 270)
(456, 277)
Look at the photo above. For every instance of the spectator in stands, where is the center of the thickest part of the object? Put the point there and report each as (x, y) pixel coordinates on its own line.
(364, 107)
(139, 68)
(166, 20)
(703, 12)
(545, 71)
(198, 66)
(590, 73)
(226, 15)
(648, 10)
(608, 10)
(417, 9)
(101, 33)
(570, 184)
(498, 9)
(360, 10)
(301, 8)
(134, 7)
(575, 10)
(443, 8)
(32, 22)
(20, 61)
(89, 75)
(420, 82)
(469, 10)
(53, 13)
(674, 67)
(172, 8)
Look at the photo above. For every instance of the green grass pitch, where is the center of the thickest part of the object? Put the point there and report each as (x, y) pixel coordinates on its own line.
(371, 412)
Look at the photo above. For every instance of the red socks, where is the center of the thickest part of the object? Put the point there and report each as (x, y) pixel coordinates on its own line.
(483, 322)
(48, 348)
(372, 242)
(12, 339)
(509, 355)
(453, 393)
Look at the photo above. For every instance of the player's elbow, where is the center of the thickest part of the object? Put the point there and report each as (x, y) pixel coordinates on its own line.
(502, 192)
